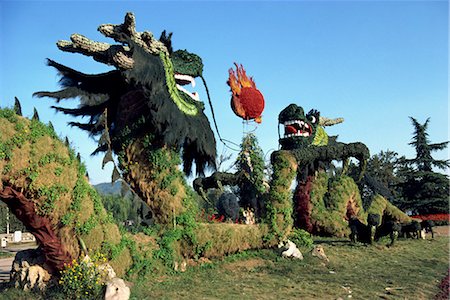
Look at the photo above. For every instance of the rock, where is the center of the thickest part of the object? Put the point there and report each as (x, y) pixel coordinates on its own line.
(36, 279)
(180, 266)
(320, 253)
(290, 250)
(107, 272)
(249, 217)
(116, 289)
(29, 271)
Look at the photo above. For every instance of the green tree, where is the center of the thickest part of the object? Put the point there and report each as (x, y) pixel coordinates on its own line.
(424, 191)
(381, 177)
(250, 162)
(123, 208)
(424, 161)
(118, 206)
(14, 223)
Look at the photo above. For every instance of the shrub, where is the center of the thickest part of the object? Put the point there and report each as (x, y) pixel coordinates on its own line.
(81, 279)
(301, 237)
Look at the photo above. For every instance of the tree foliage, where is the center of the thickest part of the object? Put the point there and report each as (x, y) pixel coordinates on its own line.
(381, 177)
(14, 223)
(410, 184)
(122, 208)
(250, 162)
(423, 190)
(423, 160)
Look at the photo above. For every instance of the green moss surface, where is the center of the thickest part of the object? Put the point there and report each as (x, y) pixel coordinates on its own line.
(333, 199)
(34, 160)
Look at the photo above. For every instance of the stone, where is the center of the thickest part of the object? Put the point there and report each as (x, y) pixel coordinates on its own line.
(320, 253)
(180, 266)
(107, 272)
(37, 278)
(290, 250)
(117, 289)
(249, 217)
(28, 271)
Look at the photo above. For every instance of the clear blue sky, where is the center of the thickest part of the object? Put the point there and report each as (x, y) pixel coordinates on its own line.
(375, 63)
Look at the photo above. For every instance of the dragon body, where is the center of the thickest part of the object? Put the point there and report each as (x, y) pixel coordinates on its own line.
(322, 204)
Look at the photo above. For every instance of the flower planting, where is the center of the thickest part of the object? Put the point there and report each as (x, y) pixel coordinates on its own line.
(83, 279)
(438, 219)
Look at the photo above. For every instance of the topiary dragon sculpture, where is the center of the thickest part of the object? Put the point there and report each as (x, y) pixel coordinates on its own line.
(322, 205)
(140, 112)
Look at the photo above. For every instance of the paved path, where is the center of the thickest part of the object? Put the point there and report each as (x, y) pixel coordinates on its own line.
(6, 263)
(442, 230)
(5, 268)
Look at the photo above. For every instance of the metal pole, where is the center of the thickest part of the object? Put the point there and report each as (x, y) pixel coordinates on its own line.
(7, 220)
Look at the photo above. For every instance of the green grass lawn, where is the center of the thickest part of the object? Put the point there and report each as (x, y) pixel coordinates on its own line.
(412, 269)
(5, 254)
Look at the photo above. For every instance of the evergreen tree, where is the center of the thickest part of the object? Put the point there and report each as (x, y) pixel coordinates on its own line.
(424, 161)
(250, 162)
(424, 191)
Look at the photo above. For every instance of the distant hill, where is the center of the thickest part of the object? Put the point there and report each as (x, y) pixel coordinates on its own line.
(137, 211)
(108, 188)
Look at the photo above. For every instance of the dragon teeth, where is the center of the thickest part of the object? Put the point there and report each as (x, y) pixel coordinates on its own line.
(290, 123)
(304, 134)
(194, 95)
(299, 122)
(191, 80)
(184, 77)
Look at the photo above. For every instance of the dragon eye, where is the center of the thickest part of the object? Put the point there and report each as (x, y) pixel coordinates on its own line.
(312, 119)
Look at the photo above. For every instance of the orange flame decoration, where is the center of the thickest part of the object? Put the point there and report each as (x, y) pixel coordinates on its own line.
(239, 80)
(247, 101)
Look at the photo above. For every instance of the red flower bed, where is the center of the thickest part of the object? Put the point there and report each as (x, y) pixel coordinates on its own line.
(216, 218)
(433, 217)
(444, 288)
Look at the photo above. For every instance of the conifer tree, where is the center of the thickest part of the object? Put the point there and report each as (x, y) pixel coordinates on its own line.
(424, 191)
(250, 162)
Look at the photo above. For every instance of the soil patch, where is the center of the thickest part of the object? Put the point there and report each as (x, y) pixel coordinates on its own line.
(442, 230)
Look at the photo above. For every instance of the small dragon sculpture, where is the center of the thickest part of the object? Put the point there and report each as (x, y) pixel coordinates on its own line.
(321, 204)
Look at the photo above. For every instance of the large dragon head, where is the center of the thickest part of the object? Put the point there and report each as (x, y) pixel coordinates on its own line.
(299, 129)
(145, 97)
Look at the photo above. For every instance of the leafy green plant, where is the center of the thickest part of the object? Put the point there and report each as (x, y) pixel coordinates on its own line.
(8, 114)
(301, 238)
(81, 279)
(52, 195)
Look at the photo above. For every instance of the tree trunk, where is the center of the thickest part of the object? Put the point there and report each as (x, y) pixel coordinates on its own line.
(40, 226)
